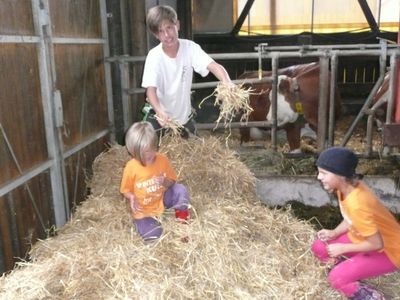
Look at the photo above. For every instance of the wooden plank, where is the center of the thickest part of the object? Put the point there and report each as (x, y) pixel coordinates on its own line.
(16, 18)
(80, 79)
(20, 226)
(79, 169)
(20, 110)
(391, 134)
(76, 18)
(13, 225)
(6, 241)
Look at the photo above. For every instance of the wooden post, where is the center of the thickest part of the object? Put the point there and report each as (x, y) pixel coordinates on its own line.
(137, 11)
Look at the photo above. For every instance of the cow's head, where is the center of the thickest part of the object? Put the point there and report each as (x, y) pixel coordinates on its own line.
(288, 87)
(259, 101)
(285, 112)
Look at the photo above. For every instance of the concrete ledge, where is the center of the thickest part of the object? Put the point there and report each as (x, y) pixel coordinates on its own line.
(278, 190)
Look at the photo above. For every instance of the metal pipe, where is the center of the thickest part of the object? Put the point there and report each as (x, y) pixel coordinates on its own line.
(46, 62)
(274, 100)
(312, 16)
(323, 102)
(333, 47)
(210, 84)
(332, 100)
(107, 71)
(309, 51)
(259, 62)
(391, 97)
(369, 16)
(392, 88)
(265, 124)
(370, 123)
(242, 17)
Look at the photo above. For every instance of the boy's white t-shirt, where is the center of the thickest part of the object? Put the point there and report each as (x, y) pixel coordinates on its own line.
(172, 77)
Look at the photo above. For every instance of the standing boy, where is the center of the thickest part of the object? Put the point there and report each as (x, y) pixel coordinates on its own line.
(168, 71)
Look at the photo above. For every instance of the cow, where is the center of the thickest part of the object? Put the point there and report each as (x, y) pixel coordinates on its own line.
(297, 95)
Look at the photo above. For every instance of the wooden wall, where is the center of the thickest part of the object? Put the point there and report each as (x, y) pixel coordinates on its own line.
(73, 64)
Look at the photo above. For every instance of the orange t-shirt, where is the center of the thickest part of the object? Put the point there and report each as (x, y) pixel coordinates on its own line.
(367, 216)
(139, 180)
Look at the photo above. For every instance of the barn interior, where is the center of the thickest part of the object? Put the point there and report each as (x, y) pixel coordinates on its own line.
(71, 86)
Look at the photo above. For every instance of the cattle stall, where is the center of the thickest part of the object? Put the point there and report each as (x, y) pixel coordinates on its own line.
(304, 188)
(328, 57)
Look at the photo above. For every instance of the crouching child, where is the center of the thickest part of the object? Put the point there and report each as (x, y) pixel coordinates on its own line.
(149, 183)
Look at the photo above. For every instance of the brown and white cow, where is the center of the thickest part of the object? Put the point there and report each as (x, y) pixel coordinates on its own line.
(298, 95)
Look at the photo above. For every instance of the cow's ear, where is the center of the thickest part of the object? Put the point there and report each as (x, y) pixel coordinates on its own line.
(284, 85)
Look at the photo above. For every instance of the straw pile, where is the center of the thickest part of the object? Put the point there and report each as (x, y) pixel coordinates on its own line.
(236, 249)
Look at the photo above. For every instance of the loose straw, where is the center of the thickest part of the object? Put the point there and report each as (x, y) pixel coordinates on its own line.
(232, 100)
(171, 124)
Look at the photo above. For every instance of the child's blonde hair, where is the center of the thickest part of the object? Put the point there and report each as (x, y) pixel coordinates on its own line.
(157, 14)
(140, 137)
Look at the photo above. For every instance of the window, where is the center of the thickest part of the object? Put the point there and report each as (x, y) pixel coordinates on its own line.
(317, 16)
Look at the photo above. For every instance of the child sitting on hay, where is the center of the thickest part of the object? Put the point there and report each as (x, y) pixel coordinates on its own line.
(149, 182)
(367, 242)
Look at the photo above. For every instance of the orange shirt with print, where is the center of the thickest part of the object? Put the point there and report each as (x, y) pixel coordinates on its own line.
(139, 180)
(367, 215)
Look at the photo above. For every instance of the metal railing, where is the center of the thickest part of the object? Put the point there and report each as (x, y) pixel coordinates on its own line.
(328, 56)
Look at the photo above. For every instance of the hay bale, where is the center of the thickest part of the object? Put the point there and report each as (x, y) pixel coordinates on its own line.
(237, 248)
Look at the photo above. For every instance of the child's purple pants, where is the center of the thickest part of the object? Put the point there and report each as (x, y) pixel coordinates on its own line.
(345, 275)
(176, 197)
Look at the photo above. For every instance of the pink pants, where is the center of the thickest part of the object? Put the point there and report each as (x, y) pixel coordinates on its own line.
(345, 275)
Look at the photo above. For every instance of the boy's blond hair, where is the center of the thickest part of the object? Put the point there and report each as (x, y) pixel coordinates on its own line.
(157, 14)
(140, 137)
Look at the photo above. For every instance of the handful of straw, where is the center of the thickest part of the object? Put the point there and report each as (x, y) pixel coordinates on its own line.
(172, 125)
(232, 100)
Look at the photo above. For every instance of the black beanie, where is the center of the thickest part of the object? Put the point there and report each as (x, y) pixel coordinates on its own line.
(338, 160)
